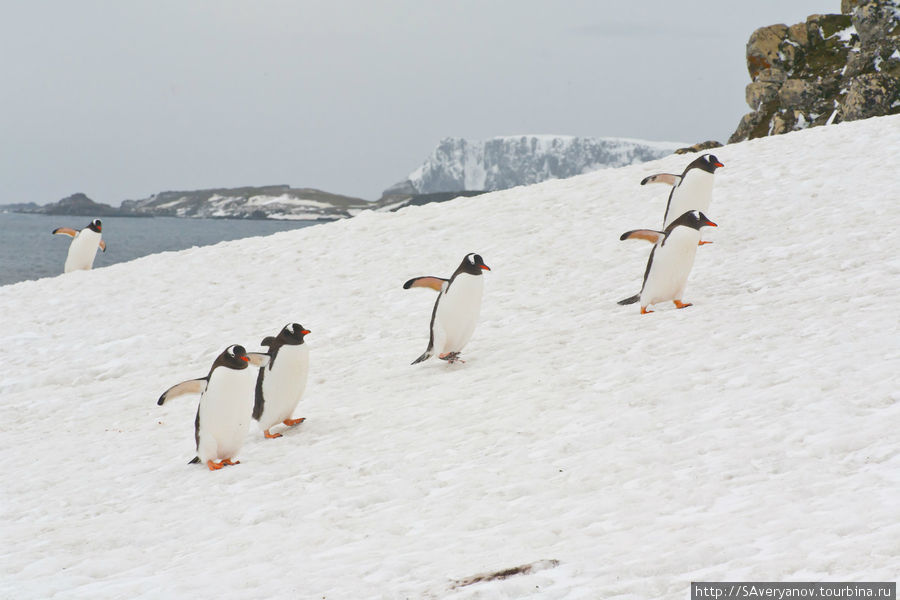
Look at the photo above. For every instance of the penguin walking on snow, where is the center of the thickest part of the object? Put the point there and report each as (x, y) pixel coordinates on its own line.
(280, 384)
(692, 190)
(670, 260)
(84, 245)
(226, 405)
(456, 309)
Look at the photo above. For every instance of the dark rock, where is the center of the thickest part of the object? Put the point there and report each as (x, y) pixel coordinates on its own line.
(869, 95)
(699, 146)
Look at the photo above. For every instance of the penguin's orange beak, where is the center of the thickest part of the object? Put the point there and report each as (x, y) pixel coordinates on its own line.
(245, 358)
(485, 267)
(718, 164)
(305, 331)
(709, 223)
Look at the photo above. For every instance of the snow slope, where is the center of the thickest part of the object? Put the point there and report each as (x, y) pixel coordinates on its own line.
(751, 436)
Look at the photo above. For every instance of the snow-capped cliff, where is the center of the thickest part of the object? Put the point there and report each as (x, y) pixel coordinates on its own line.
(500, 163)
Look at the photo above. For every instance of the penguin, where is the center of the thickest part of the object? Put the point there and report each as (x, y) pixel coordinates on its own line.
(456, 308)
(692, 190)
(226, 405)
(670, 260)
(280, 384)
(84, 245)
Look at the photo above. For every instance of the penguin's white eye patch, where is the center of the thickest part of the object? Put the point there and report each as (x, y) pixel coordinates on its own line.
(471, 258)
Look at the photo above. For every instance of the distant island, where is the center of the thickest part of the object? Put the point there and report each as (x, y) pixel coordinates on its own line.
(457, 167)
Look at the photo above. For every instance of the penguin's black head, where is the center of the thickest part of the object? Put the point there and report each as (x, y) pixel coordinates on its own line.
(96, 225)
(693, 219)
(473, 264)
(235, 357)
(712, 161)
(293, 334)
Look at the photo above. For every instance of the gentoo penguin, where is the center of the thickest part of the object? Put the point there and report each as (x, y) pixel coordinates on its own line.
(692, 190)
(84, 245)
(456, 308)
(670, 260)
(226, 405)
(280, 384)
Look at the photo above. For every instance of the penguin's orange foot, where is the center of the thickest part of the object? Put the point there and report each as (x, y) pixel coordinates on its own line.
(227, 462)
(680, 304)
(702, 243)
(644, 311)
(271, 436)
(292, 422)
(213, 465)
(451, 357)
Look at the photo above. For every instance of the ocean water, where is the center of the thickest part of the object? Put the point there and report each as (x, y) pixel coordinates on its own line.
(29, 251)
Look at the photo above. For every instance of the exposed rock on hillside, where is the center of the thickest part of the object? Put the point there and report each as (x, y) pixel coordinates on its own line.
(828, 69)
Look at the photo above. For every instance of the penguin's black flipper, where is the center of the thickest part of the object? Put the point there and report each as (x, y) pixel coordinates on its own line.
(65, 231)
(194, 460)
(259, 402)
(631, 300)
(435, 283)
(425, 356)
(103, 245)
(650, 235)
(667, 178)
(267, 341)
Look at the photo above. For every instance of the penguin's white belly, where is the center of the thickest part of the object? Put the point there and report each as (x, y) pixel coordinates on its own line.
(82, 251)
(672, 263)
(457, 313)
(694, 193)
(226, 408)
(284, 384)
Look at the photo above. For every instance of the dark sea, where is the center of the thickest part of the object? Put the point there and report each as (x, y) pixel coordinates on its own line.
(29, 251)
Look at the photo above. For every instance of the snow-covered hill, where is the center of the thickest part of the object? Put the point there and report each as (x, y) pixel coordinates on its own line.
(499, 163)
(265, 202)
(750, 436)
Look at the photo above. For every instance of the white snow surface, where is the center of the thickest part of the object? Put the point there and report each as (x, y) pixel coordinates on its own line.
(752, 436)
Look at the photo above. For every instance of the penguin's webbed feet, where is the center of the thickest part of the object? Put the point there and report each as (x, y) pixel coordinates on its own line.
(292, 422)
(271, 436)
(451, 357)
(680, 304)
(215, 466)
(645, 311)
(702, 243)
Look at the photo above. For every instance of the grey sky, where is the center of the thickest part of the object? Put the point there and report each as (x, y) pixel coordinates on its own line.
(123, 99)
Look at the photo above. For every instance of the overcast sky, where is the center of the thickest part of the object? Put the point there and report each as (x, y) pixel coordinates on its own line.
(123, 99)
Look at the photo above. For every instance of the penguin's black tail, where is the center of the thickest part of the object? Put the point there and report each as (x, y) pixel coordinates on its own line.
(630, 300)
(425, 356)
(194, 460)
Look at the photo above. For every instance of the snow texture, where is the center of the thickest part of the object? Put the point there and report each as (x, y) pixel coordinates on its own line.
(583, 450)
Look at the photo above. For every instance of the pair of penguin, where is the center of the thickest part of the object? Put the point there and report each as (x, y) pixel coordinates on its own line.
(83, 248)
(675, 247)
(230, 396)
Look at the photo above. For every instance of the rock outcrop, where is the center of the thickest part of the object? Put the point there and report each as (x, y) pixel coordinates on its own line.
(829, 69)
